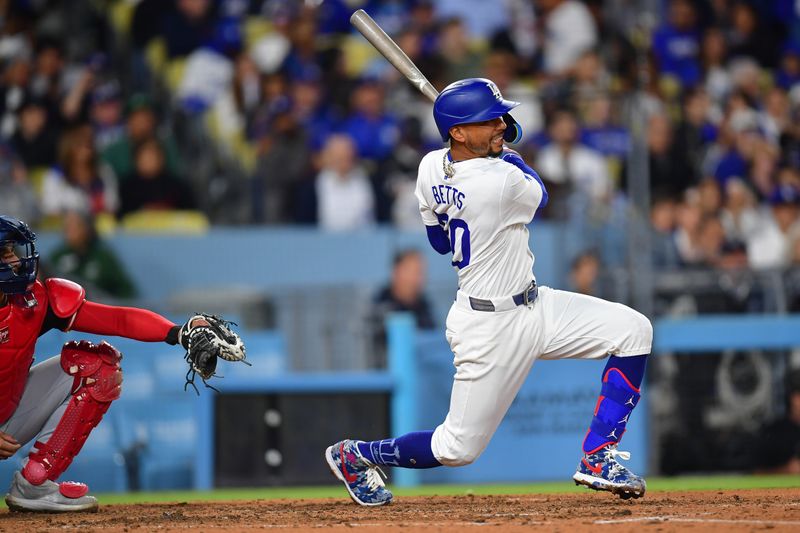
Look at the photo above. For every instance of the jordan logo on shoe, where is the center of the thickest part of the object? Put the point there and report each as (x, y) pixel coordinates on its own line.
(624, 419)
(613, 434)
(630, 402)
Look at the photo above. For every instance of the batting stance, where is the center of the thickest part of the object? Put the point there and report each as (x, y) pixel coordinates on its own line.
(63, 398)
(476, 199)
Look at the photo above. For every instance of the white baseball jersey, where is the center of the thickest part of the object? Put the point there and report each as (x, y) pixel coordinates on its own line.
(484, 207)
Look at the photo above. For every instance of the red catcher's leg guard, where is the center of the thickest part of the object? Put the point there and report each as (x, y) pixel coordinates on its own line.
(97, 382)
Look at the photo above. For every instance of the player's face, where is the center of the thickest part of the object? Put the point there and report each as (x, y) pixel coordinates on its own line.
(8, 256)
(483, 138)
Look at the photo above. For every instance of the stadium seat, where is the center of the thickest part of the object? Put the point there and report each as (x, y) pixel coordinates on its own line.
(180, 222)
(255, 27)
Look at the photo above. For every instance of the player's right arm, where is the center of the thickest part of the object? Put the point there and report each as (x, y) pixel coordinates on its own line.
(8, 446)
(437, 235)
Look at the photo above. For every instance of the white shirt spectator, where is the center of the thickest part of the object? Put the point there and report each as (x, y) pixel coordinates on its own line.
(584, 168)
(569, 31)
(344, 202)
(59, 195)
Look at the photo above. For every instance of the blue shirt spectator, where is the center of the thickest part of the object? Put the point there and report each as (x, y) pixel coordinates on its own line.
(374, 131)
(676, 44)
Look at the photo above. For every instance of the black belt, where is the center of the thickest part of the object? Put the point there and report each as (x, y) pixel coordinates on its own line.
(526, 297)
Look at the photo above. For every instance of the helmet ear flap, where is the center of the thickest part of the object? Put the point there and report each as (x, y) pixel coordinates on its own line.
(513, 133)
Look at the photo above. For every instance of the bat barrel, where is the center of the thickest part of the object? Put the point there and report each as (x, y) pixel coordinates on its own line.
(389, 49)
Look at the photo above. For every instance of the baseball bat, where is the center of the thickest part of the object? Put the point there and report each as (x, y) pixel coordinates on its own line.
(389, 49)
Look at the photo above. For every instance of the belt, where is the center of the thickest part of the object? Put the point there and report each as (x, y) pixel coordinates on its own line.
(526, 297)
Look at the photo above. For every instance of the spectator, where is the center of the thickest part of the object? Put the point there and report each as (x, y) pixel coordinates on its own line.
(502, 68)
(240, 100)
(83, 257)
(80, 181)
(481, 19)
(788, 74)
(670, 171)
(312, 111)
(141, 123)
(37, 136)
(603, 134)
(676, 44)
(106, 114)
(584, 273)
(718, 82)
(739, 215)
(568, 31)
(775, 119)
(687, 234)
(567, 164)
(345, 199)
(188, 26)
(748, 37)
(374, 130)
(771, 245)
(283, 162)
(152, 186)
(696, 130)
(401, 177)
(15, 77)
(663, 221)
(18, 199)
(459, 60)
(779, 450)
(403, 294)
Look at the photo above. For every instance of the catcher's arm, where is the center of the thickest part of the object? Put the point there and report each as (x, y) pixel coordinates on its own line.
(207, 338)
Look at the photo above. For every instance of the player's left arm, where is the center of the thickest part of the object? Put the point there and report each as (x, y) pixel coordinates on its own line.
(513, 157)
(521, 196)
(130, 322)
(68, 310)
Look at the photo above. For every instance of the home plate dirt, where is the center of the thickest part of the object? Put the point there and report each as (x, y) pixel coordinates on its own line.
(729, 510)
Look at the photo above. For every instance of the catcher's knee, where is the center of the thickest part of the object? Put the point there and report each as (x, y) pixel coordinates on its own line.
(95, 368)
(452, 450)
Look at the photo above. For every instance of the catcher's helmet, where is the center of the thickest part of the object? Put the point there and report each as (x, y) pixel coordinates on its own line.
(467, 101)
(18, 278)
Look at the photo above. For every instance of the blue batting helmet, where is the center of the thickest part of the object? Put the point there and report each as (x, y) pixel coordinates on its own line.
(17, 278)
(467, 101)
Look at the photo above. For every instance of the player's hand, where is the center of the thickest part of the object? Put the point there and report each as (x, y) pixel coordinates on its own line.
(8, 445)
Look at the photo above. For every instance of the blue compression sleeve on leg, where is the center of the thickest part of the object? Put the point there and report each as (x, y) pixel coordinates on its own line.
(619, 395)
(412, 450)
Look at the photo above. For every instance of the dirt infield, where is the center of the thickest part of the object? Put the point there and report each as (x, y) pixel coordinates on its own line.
(739, 510)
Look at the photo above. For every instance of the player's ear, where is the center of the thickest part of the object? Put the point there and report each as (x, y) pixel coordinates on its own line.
(456, 133)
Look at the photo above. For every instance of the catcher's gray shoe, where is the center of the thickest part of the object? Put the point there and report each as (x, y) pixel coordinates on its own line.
(49, 497)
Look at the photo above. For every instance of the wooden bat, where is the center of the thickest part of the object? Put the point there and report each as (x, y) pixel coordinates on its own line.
(389, 49)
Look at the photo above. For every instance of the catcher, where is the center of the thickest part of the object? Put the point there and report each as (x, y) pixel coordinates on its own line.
(60, 400)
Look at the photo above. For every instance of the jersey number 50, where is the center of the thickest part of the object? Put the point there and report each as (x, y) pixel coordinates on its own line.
(461, 254)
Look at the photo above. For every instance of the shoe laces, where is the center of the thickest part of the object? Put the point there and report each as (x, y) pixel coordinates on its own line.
(611, 455)
(374, 480)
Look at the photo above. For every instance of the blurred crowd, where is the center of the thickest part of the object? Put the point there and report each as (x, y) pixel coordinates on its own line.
(330, 134)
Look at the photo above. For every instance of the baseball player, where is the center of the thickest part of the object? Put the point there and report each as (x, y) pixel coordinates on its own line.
(63, 398)
(476, 198)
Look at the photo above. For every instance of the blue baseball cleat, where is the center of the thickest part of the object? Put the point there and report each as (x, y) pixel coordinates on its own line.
(601, 471)
(362, 478)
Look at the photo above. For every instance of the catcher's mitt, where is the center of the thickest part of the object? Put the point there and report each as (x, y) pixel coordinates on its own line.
(207, 337)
